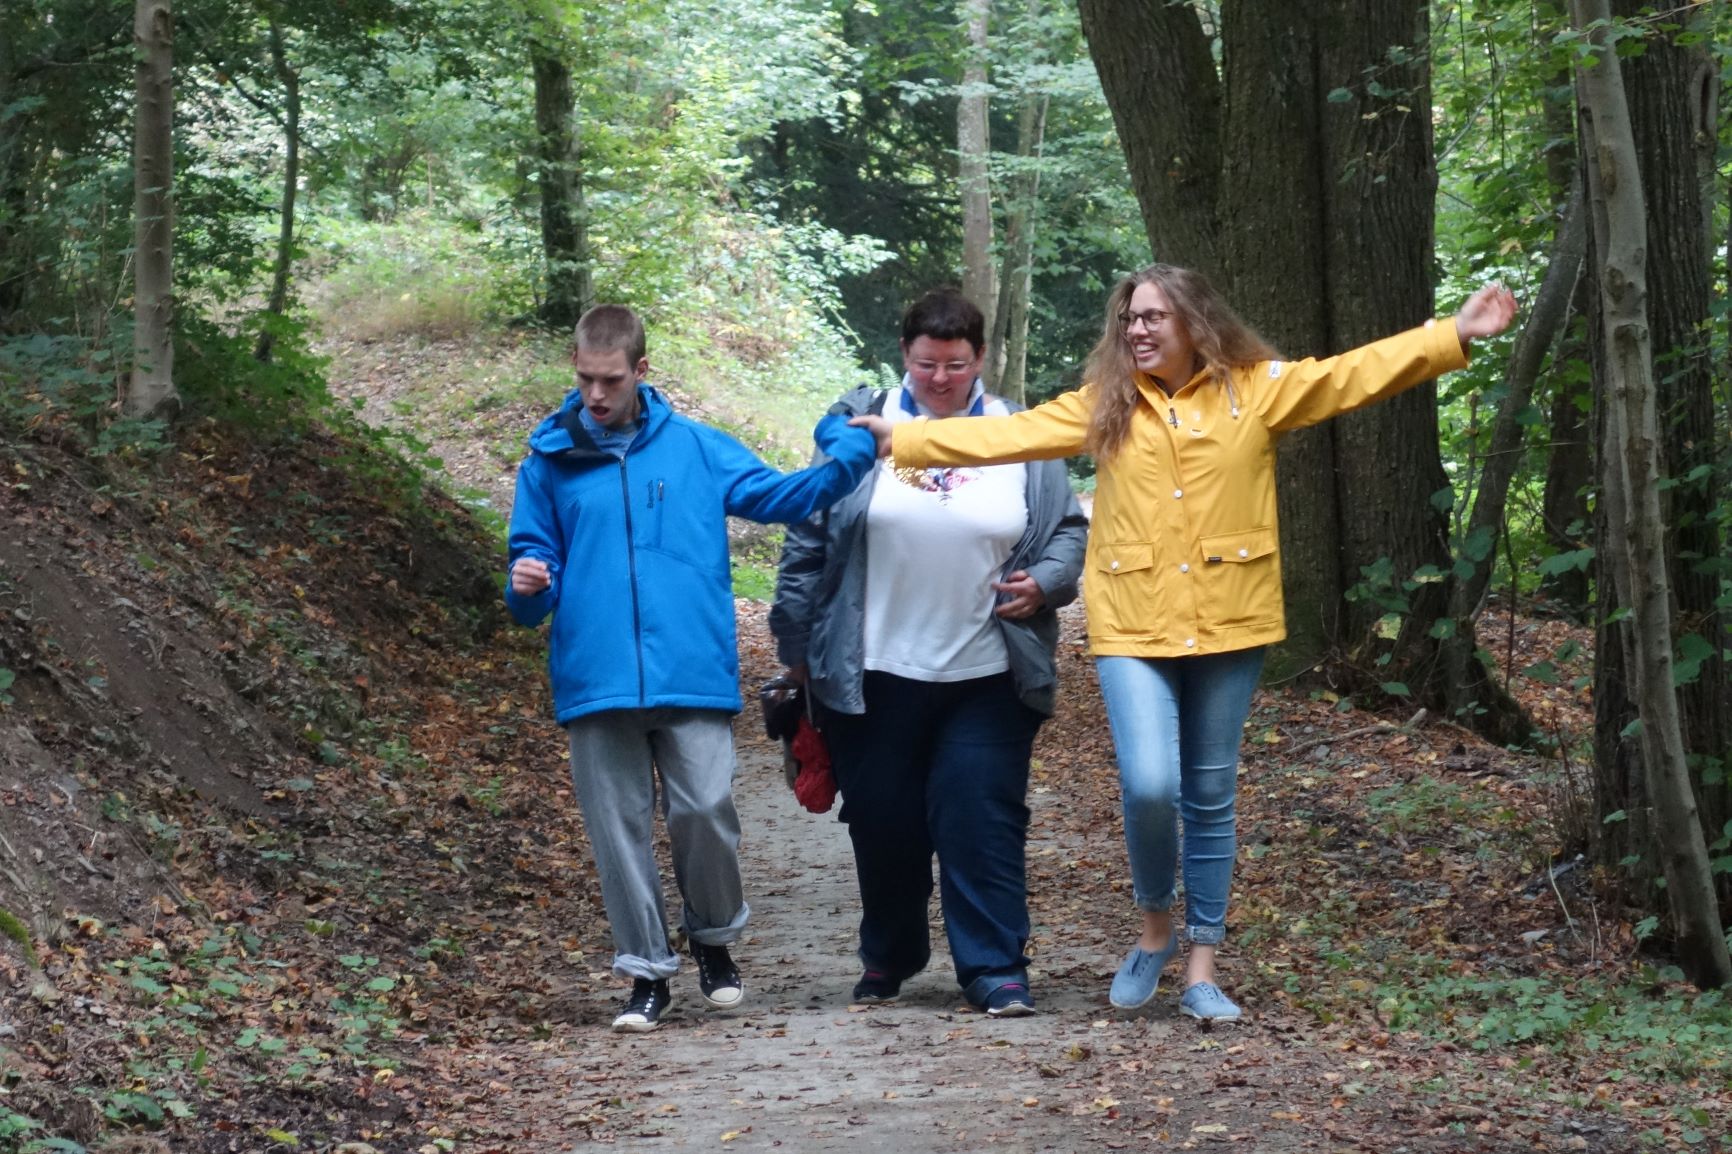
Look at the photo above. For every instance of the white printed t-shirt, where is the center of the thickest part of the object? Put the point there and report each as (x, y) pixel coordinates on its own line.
(932, 554)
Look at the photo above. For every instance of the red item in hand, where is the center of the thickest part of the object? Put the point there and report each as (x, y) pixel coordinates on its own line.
(815, 785)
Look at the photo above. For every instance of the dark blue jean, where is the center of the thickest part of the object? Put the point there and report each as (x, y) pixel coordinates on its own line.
(939, 767)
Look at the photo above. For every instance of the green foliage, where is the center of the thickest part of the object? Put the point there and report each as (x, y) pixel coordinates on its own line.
(12, 927)
(1653, 1024)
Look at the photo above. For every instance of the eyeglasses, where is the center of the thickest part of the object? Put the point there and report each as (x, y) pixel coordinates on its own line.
(954, 368)
(1151, 318)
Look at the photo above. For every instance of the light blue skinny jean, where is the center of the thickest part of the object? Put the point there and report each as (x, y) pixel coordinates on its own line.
(1177, 723)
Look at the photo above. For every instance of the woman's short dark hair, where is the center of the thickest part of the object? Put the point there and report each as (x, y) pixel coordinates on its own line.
(944, 314)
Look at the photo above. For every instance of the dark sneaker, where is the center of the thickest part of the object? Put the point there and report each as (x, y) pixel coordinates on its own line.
(876, 986)
(643, 1010)
(1011, 1000)
(718, 977)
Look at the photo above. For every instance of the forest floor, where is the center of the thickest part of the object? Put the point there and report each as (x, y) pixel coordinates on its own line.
(290, 838)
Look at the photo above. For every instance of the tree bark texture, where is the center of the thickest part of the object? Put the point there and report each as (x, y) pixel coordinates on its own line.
(1671, 93)
(151, 387)
(974, 179)
(285, 259)
(564, 221)
(1633, 466)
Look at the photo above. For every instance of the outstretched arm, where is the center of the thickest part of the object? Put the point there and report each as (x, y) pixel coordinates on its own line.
(759, 493)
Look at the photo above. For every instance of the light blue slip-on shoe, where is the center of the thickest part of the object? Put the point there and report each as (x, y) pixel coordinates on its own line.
(1206, 1003)
(1140, 974)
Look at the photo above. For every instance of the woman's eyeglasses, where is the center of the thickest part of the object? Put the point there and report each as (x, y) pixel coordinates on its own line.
(1151, 318)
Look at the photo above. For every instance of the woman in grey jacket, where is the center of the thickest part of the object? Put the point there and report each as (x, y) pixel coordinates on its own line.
(919, 610)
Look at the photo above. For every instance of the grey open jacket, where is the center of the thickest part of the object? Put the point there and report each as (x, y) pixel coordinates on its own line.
(819, 615)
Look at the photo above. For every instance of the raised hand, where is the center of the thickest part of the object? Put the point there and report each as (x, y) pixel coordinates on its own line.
(1486, 313)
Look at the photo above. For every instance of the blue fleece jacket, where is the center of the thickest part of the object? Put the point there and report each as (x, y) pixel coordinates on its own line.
(637, 548)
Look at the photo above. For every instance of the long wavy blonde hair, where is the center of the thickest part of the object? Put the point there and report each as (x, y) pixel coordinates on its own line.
(1223, 342)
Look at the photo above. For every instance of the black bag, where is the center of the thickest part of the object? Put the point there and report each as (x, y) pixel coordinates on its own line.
(784, 703)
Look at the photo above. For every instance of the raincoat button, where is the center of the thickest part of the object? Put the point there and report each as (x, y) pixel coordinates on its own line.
(1177, 493)
(1114, 565)
(1244, 552)
(1190, 643)
(1184, 567)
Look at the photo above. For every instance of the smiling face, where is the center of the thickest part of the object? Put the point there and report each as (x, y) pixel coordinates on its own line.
(941, 372)
(1159, 343)
(608, 382)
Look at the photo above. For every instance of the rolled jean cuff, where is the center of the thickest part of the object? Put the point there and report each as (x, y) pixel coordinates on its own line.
(634, 967)
(719, 935)
(1206, 935)
(1158, 905)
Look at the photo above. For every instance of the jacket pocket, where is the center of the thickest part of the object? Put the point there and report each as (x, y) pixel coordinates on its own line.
(1242, 577)
(1123, 584)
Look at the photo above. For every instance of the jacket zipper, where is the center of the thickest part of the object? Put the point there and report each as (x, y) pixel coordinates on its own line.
(631, 568)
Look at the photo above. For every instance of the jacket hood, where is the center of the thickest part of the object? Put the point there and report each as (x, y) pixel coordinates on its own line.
(562, 433)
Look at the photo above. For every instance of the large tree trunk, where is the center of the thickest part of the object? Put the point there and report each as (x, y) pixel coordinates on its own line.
(151, 387)
(564, 224)
(1314, 216)
(284, 264)
(1671, 91)
(1632, 477)
(974, 146)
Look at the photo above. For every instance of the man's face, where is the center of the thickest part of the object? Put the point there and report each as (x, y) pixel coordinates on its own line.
(941, 372)
(608, 383)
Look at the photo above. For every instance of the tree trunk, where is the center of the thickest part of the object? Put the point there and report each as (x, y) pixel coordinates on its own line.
(1158, 74)
(151, 388)
(284, 265)
(1632, 468)
(1671, 93)
(974, 146)
(1569, 458)
(1009, 333)
(1545, 322)
(564, 225)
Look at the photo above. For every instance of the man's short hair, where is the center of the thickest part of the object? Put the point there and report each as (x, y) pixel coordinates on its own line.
(944, 314)
(608, 327)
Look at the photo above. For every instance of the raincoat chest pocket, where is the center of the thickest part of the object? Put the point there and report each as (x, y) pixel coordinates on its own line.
(654, 504)
(1242, 576)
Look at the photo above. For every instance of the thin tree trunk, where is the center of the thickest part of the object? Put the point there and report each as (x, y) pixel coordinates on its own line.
(973, 146)
(1009, 334)
(1633, 468)
(151, 388)
(291, 81)
(1545, 322)
(564, 228)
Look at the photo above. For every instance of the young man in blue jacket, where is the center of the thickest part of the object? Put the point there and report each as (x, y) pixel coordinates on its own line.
(619, 531)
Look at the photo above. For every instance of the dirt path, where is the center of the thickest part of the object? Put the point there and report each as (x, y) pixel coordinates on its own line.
(798, 1068)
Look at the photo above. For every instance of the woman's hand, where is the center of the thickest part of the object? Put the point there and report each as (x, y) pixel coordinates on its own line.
(1486, 313)
(878, 427)
(1026, 597)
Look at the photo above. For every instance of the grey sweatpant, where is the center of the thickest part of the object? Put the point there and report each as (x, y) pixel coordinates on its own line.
(615, 760)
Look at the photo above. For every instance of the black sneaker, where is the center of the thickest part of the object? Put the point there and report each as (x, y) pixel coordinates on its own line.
(718, 977)
(876, 986)
(1010, 1000)
(643, 1010)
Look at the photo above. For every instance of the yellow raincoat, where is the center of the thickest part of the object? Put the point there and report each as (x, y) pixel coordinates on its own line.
(1184, 552)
